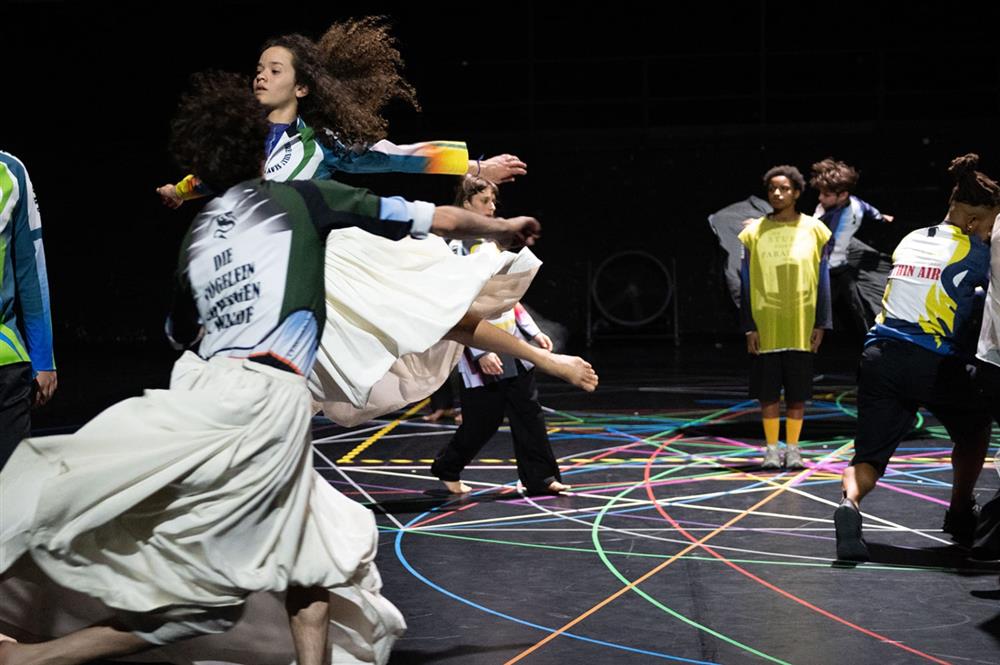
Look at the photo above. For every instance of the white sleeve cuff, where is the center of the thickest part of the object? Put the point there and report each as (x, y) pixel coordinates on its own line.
(422, 214)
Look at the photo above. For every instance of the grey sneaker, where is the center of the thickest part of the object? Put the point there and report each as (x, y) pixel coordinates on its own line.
(772, 458)
(793, 458)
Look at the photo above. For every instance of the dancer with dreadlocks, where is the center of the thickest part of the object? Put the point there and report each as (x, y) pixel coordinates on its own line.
(220, 500)
(917, 355)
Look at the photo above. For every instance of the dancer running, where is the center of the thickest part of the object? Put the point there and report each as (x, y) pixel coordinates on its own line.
(917, 355)
(498, 385)
(785, 307)
(221, 500)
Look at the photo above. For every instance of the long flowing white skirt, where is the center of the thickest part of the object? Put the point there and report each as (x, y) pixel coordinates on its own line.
(388, 306)
(171, 509)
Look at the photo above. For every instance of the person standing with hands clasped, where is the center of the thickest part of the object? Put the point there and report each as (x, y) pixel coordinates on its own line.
(497, 385)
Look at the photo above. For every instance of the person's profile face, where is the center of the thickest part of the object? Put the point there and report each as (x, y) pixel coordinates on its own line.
(484, 202)
(830, 199)
(274, 84)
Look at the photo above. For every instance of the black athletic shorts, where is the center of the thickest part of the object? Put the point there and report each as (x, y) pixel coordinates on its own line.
(793, 370)
(896, 378)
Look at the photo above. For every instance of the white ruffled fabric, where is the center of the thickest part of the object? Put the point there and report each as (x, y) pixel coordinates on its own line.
(174, 507)
(388, 306)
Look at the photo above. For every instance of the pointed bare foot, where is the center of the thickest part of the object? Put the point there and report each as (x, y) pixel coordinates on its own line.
(573, 370)
(556, 486)
(456, 486)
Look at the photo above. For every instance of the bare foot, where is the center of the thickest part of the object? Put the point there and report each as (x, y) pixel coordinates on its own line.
(436, 415)
(573, 370)
(556, 486)
(456, 486)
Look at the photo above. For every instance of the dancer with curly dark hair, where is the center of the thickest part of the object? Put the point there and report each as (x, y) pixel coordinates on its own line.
(325, 102)
(917, 355)
(221, 501)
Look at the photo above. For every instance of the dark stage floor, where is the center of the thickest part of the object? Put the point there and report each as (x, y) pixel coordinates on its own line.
(672, 546)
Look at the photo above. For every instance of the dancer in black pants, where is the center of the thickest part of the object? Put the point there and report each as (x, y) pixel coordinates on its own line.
(495, 385)
(917, 353)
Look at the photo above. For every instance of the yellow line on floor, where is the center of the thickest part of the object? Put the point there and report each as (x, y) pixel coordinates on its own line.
(349, 457)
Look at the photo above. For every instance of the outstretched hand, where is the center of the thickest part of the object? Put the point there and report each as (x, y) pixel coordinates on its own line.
(169, 196)
(502, 168)
(521, 231)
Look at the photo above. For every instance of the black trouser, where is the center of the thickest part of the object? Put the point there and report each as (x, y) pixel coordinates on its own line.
(443, 398)
(844, 295)
(15, 407)
(987, 538)
(895, 379)
(483, 410)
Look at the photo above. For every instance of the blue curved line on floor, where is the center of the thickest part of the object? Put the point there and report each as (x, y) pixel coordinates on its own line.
(406, 564)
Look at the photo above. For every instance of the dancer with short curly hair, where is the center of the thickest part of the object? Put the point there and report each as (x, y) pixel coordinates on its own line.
(785, 307)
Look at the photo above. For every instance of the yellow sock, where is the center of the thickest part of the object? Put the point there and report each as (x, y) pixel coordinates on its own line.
(771, 426)
(793, 428)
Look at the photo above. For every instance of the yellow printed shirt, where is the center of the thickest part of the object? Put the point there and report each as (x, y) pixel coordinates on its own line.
(786, 282)
(934, 296)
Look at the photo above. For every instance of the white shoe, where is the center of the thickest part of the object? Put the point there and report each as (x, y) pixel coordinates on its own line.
(793, 458)
(772, 458)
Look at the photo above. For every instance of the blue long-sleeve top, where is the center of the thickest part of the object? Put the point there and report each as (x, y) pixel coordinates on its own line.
(25, 318)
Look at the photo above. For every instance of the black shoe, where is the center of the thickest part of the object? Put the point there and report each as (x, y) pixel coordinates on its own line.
(847, 523)
(962, 524)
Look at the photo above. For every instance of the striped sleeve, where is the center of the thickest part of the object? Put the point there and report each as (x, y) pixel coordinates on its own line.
(525, 322)
(191, 188)
(31, 278)
(332, 205)
(432, 157)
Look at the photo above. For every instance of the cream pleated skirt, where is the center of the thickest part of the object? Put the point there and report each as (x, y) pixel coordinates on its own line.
(170, 510)
(388, 306)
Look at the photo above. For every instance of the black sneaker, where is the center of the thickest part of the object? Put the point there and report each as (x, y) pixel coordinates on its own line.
(961, 524)
(847, 523)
